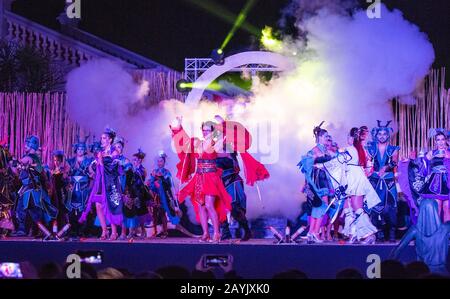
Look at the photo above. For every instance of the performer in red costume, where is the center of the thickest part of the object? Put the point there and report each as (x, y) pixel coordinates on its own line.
(230, 137)
(208, 195)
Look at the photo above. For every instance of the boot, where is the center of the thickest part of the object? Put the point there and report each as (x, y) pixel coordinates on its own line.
(392, 235)
(247, 232)
(363, 225)
(226, 233)
(380, 236)
(348, 222)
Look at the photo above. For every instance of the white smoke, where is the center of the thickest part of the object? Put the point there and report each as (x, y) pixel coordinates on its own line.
(348, 68)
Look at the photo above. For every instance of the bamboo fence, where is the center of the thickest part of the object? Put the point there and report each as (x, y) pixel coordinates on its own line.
(432, 110)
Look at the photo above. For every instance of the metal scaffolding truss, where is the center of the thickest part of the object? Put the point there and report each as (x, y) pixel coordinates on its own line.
(194, 67)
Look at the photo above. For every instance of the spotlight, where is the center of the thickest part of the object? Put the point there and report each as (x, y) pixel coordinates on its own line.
(269, 41)
(183, 86)
(217, 56)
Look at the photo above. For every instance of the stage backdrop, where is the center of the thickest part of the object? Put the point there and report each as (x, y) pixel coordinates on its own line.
(22, 114)
(44, 115)
(432, 110)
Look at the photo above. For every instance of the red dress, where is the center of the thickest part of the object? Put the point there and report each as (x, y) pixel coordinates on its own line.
(207, 177)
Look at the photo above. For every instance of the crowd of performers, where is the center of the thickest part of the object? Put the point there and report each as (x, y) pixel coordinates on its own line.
(355, 186)
(100, 187)
(351, 190)
(97, 187)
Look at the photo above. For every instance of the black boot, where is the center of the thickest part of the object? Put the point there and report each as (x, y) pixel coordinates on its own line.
(380, 236)
(226, 233)
(392, 235)
(247, 232)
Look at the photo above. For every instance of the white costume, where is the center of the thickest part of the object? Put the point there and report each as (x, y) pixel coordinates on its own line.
(358, 183)
(357, 223)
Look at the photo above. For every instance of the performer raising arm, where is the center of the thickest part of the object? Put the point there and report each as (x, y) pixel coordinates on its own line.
(205, 188)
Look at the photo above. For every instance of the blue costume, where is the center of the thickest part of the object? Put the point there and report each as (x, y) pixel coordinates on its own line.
(33, 197)
(383, 215)
(164, 193)
(436, 182)
(234, 185)
(79, 193)
(318, 182)
(125, 169)
(80, 180)
(431, 238)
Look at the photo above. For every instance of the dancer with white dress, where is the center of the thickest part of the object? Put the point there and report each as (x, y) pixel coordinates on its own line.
(357, 225)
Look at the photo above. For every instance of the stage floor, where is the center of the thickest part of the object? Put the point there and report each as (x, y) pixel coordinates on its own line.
(257, 258)
(184, 240)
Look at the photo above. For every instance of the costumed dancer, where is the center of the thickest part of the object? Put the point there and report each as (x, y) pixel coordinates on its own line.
(205, 188)
(106, 192)
(140, 194)
(360, 191)
(130, 220)
(33, 196)
(59, 178)
(431, 238)
(236, 139)
(164, 202)
(384, 158)
(437, 183)
(411, 178)
(8, 184)
(80, 179)
(336, 169)
(95, 147)
(318, 187)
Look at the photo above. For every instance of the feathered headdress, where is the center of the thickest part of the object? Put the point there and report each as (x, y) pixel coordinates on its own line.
(32, 142)
(435, 131)
(120, 140)
(162, 154)
(111, 132)
(380, 127)
(80, 144)
(140, 154)
(96, 146)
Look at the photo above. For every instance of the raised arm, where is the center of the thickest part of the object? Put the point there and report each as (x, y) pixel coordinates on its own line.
(181, 139)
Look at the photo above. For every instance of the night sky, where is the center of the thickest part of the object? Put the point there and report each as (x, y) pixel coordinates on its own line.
(167, 31)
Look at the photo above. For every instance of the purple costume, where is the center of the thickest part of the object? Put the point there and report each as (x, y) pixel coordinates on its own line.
(436, 183)
(107, 191)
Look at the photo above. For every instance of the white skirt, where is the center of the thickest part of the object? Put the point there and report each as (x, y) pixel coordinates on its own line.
(359, 185)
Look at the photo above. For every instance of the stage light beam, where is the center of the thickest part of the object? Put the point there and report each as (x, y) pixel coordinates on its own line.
(238, 23)
(224, 14)
(184, 86)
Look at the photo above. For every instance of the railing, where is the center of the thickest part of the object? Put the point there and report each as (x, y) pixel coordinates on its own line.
(61, 47)
(75, 50)
(115, 50)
